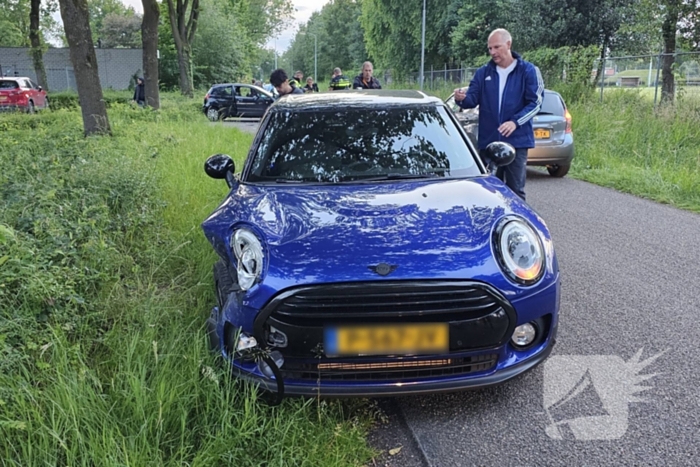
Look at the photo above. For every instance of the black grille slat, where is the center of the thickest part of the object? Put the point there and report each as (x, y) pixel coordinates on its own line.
(388, 301)
(365, 304)
(389, 292)
(380, 314)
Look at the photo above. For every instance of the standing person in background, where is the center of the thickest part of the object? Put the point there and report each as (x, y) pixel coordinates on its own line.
(365, 80)
(310, 85)
(339, 81)
(298, 78)
(509, 92)
(140, 93)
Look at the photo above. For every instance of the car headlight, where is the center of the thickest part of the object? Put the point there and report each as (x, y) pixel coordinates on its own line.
(519, 250)
(249, 255)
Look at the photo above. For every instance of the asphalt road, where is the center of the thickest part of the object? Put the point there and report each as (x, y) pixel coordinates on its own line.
(630, 283)
(630, 307)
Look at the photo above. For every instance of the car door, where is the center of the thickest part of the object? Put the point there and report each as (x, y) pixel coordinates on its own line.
(261, 101)
(39, 93)
(226, 98)
(246, 101)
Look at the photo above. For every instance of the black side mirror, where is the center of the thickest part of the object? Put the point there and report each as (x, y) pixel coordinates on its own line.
(500, 153)
(220, 166)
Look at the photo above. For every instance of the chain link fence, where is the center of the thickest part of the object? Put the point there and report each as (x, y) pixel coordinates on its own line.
(116, 67)
(435, 78)
(644, 71)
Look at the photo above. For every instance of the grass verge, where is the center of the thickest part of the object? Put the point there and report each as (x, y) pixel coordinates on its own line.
(626, 144)
(105, 282)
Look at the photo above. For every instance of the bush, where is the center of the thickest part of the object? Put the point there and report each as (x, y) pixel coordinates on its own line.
(69, 99)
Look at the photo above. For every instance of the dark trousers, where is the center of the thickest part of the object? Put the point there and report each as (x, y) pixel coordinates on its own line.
(514, 174)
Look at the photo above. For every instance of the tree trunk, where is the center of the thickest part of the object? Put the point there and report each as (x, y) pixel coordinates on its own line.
(183, 34)
(74, 14)
(183, 61)
(149, 35)
(37, 50)
(668, 32)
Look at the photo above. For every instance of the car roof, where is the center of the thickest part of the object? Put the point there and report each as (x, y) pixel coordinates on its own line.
(356, 98)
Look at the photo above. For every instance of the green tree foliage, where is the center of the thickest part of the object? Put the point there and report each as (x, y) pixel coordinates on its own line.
(340, 41)
(392, 30)
(14, 22)
(221, 51)
(261, 19)
(100, 9)
(560, 23)
(121, 30)
(476, 20)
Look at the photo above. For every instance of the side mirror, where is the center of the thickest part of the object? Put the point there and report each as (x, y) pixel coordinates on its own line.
(220, 166)
(500, 153)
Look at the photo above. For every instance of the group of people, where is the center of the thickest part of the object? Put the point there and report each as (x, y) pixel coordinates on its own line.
(505, 112)
(285, 85)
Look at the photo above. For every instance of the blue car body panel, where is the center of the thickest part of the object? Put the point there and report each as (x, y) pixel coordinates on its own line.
(435, 229)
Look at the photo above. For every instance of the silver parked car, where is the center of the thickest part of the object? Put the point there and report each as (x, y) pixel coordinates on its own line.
(554, 140)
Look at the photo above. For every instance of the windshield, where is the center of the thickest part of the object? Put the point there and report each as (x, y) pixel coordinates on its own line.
(334, 146)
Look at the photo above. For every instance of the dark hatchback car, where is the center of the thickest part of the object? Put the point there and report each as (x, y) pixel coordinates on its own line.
(236, 100)
(554, 140)
(364, 250)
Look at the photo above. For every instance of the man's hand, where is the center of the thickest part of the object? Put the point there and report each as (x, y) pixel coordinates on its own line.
(460, 94)
(507, 128)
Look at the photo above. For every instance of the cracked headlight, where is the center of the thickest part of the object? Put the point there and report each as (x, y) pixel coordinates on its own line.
(519, 251)
(249, 257)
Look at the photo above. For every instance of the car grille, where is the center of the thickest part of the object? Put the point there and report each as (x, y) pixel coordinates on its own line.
(385, 302)
(395, 371)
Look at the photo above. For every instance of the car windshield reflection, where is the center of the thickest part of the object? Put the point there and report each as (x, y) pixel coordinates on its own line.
(356, 145)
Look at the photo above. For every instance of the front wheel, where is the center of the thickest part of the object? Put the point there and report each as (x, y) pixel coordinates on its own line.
(213, 114)
(30, 108)
(558, 170)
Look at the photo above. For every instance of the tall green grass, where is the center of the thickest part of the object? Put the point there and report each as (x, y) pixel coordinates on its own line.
(105, 283)
(627, 144)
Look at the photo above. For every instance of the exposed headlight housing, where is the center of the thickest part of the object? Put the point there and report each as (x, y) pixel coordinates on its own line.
(519, 251)
(248, 252)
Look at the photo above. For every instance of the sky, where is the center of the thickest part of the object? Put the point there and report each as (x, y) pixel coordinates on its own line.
(303, 10)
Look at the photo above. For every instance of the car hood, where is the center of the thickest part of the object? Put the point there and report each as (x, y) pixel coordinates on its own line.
(331, 233)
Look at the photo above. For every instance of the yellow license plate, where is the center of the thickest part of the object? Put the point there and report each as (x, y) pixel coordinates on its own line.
(387, 339)
(541, 133)
(3, 98)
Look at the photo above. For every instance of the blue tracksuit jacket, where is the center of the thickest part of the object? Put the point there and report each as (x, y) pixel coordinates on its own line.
(522, 100)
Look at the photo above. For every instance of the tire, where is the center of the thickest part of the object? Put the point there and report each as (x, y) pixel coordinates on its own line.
(30, 108)
(47, 104)
(558, 170)
(213, 114)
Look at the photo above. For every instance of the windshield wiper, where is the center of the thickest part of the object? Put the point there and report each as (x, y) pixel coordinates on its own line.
(289, 180)
(398, 176)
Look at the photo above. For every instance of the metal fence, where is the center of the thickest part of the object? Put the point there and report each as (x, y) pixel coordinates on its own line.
(435, 78)
(116, 67)
(644, 71)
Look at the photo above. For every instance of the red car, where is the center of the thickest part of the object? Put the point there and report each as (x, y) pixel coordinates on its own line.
(23, 94)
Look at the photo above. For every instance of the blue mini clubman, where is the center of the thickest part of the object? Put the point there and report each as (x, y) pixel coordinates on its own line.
(365, 249)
